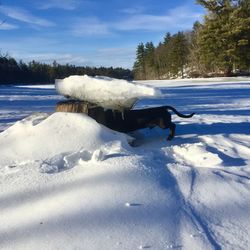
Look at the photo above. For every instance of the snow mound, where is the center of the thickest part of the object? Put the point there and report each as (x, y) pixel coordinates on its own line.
(56, 140)
(105, 91)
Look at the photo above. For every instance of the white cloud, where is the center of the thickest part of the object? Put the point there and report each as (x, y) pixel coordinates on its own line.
(133, 10)
(24, 16)
(107, 57)
(59, 4)
(180, 18)
(96, 58)
(90, 27)
(7, 26)
(61, 58)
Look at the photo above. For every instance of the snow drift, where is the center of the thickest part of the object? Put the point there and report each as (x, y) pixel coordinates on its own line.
(40, 137)
(105, 91)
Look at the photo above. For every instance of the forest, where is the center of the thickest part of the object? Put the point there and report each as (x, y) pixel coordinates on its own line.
(12, 71)
(217, 46)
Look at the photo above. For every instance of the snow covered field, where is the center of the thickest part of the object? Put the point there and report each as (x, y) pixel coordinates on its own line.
(69, 183)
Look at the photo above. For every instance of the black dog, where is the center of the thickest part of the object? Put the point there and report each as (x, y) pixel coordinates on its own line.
(131, 120)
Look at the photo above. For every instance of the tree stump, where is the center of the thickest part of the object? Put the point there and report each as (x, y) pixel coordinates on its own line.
(73, 106)
(100, 114)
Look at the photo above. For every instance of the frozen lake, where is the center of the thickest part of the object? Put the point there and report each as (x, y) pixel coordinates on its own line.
(17, 102)
(204, 96)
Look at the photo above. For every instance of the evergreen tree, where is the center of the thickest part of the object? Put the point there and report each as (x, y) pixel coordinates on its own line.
(139, 65)
(163, 56)
(150, 66)
(194, 61)
(167, 38)
(241, 35)
(224, 39)
(178, 54)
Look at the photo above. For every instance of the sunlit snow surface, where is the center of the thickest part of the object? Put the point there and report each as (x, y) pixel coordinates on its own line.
(69, 183)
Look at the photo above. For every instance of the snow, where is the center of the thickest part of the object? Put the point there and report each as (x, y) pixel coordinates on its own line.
(41, 128)
(44, 86)
(105, 91)
(68, 182)
(17, 102)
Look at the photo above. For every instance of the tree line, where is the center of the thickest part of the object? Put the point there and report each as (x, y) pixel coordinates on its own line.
(218, 46)
(12, 71)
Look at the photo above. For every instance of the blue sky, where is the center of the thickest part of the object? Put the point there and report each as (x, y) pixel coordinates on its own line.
(89, 32)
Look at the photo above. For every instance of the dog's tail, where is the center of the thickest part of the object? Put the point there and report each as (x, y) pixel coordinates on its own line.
(178, 113)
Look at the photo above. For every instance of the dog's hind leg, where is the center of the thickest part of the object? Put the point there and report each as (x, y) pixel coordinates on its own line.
(165, 123)
(171, 135)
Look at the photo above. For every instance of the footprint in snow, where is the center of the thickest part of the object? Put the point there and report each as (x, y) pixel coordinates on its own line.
(145, 247)
(47, 168)
(196, 235)
(64, 161)
(11, 169)
(173, 246)
(98, 155)
(127, 204)
(76, 158)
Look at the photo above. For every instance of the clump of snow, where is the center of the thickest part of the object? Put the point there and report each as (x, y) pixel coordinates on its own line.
(105, 91)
